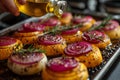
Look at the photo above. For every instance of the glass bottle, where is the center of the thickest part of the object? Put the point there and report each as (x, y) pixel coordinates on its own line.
(38, 8)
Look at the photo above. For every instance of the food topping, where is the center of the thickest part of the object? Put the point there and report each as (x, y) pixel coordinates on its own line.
(61, 64)
(78, 48)
(71, 31)
(50, 22)
(81, 20)
(93, 36)
(5, 40)
(111, 25)
(27, 59)
(31, 27)
(50, 39)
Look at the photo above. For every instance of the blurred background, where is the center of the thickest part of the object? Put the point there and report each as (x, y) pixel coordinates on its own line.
(88, 7)
(108, 6)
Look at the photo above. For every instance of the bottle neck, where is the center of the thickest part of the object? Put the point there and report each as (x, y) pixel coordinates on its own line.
(56, 7)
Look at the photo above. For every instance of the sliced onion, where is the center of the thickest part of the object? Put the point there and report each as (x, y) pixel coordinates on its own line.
(50, 39)
(61, 64)
(50, 22)
(97, 23)
(82, 20)
(66, 14)
(29, 58)
(5, 40)
(31, 27)
(71, 31)
(78, 48)
(22, 30)
(93, 36)
(111, 25)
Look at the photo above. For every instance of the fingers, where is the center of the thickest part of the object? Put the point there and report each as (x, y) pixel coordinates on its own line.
(2, 8)
(10, 6)
(22, 1)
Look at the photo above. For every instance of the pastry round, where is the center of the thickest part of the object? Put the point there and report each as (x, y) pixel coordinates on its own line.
(66, 18)
(29, 32)
(86, 53)
(64, 68)
(98, 38)
(72, 35)
(8, 45)
(50, 23)
(27, 63)
(52, 44)
(112, 29)
(86, 22)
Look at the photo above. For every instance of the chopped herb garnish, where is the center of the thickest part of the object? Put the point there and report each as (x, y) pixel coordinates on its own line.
(103, 24)
(93, 36)
(59, 29)
(30, 49)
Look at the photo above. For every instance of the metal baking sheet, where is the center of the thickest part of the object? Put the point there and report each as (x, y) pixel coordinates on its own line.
(110, 54)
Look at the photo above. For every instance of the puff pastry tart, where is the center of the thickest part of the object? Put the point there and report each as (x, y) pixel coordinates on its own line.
(8, 45)
(52, 44)
(112, 29)
(86, 22)
(29, 32)
(27, 63)
(72, 35)
(86, 53)
(65, 68)
(98, 38)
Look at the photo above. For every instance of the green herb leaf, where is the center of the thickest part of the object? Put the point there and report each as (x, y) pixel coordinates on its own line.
(59, 29)
(30, 49)
(103, 24)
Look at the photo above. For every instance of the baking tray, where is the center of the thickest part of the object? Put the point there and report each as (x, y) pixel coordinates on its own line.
(110, 54)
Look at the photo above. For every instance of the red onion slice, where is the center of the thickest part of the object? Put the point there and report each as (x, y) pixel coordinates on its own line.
(50, 22)
(29, 58)
(31, 27)
(50, 39)
(66, 14)
(111, 25)
(71, 31)
(78, 48)
(82, 20)
(5, 40)
(93, 36)
(61, 64)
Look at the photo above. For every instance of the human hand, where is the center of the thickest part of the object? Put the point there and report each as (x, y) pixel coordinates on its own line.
(9, 6)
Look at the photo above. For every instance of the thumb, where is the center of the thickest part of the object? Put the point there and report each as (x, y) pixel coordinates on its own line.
(10, 6)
